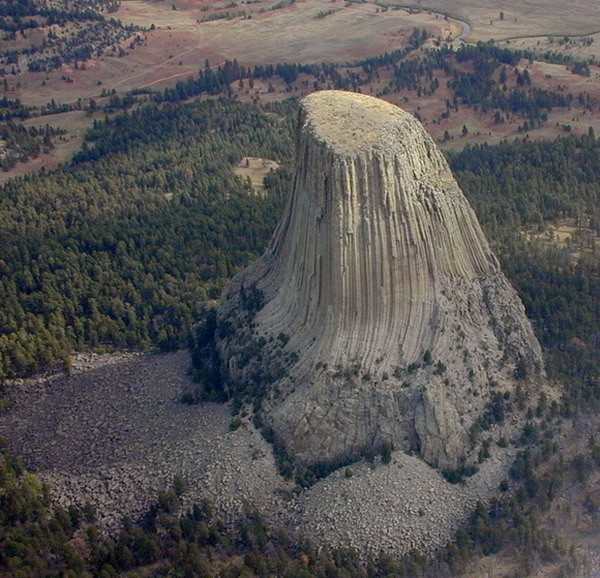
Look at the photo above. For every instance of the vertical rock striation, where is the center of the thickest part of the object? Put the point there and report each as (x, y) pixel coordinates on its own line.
(378, 314)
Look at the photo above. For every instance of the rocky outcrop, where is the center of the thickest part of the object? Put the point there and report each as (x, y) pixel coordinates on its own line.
(378, 314)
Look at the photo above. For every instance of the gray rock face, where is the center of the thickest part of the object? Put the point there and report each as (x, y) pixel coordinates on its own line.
(378, 314)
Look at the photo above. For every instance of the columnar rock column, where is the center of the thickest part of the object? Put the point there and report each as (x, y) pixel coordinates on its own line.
(378, 314)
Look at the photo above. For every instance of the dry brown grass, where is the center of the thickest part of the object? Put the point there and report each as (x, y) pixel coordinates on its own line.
(577, 46)
(291, 34)
(182, 42)
(75, 123)
(256, 169)
(576, 239)
(522, 17)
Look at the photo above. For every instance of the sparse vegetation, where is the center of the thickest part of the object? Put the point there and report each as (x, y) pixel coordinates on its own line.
(21, 144)
(73, 32)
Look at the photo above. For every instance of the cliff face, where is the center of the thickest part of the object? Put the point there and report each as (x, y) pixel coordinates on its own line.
(378, 314)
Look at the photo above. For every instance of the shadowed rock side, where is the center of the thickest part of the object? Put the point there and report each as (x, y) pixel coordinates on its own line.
(378, 314)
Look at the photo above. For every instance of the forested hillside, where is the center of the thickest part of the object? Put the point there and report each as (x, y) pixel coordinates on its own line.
(120, 248)
(523, 186)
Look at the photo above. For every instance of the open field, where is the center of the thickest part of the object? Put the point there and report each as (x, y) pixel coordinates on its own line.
(576, 239)
(178, 38)
(181, 44)
(76, 123)
(291, 34)
(256, 170)
(581, 47)
(298, 32)
(522, 17)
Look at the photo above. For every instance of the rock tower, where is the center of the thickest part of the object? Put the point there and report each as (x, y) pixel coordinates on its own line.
(378, 314)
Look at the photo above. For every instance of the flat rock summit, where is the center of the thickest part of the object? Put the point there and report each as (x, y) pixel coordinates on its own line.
(378, 316)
